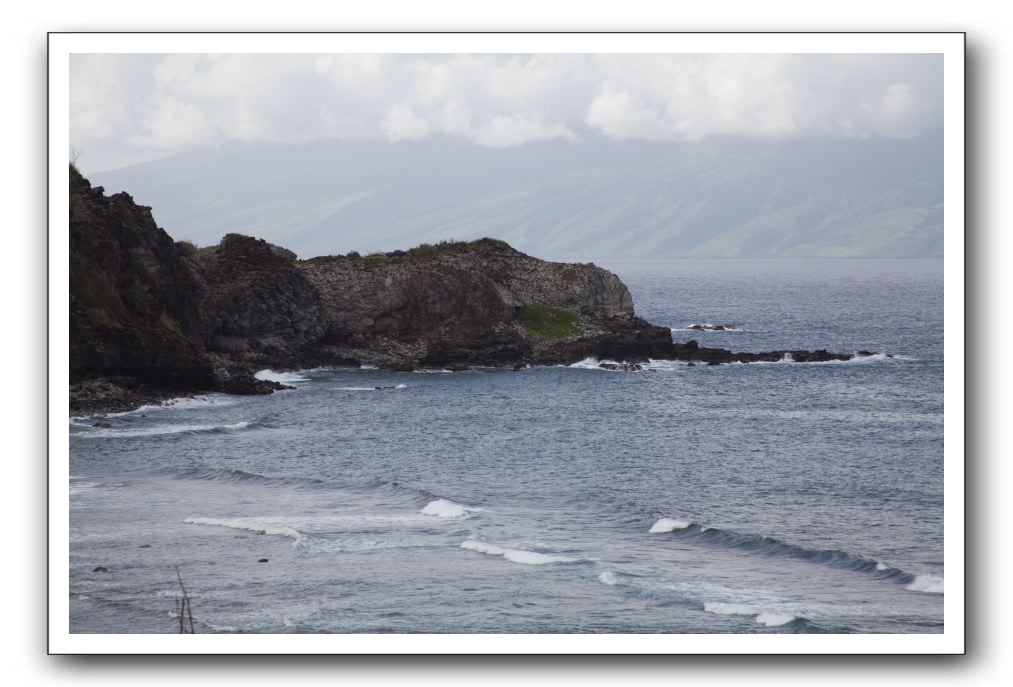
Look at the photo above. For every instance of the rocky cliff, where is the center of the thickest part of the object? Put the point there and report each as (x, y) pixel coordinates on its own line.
(150, 317)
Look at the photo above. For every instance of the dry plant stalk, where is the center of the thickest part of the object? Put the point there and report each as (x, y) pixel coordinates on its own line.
(184, 605)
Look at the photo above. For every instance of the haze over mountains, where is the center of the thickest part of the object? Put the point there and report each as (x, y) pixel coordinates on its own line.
(719, 197)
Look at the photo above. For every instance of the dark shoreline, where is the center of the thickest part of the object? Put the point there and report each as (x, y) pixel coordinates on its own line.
(98, 397)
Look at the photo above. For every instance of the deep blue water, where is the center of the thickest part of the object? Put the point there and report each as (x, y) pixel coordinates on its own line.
(791, 497)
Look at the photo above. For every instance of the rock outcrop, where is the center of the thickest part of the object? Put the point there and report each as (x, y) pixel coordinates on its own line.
(150, 317)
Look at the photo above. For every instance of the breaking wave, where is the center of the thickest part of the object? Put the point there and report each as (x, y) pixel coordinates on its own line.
(668, 525)
(770, 546)
(516, 555)
(765, 618)
(282, 377)
(928, 584)
(250, 525)
(443, 508)
(593, 364)
(116, 433)
(372, 388)
(707, 327)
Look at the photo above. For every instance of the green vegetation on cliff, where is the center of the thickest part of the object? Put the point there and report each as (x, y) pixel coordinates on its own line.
(547, 322)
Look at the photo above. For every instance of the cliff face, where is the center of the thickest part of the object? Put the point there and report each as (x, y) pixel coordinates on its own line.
(134, 295)
(150, 312)
(465, 303)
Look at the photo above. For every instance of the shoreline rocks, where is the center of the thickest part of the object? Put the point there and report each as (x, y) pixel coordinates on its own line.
(153, 319)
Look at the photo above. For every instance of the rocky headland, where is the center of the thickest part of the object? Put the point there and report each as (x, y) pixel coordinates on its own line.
(152, 318)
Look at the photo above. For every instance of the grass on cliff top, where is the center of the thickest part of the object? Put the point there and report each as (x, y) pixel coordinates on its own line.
(426, 250)
(547, 322)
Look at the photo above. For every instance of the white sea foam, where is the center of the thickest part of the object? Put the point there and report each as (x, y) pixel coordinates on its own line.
(882, 566)
(442, 508)
(220, 628)
(729, 609)
(367, 366)
(770, 619)
(372, 388)
(114, 433)
(184, 402)
(929, 584)
(281, 377)
(668, 525)
(590, 364)
(608, 578)
(775, 619)
(250, 525)
(665, 365)
(515, 555)
(706, 327)
(78, 486)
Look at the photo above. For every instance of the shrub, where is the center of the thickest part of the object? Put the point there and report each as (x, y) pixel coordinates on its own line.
(546, 322)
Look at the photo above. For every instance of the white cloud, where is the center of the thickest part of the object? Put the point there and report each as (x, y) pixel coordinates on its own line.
(160, 103)
(402, 124)
(174, 124)
(623, 115)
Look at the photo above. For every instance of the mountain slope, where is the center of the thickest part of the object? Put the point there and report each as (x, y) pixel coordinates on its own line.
(715, 198)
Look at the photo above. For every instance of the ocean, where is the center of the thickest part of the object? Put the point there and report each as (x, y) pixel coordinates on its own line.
(759, 498)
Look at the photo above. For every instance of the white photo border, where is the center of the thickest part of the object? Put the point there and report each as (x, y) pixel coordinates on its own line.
(949, 44)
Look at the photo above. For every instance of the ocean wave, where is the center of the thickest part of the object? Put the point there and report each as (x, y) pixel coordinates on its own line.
(668, 525)
(856, 360)
(766, 618)
(116, 433)
(281, 377)
(707, 327)
(79, 485)
(443, 508)
(593, 364)
(770, 546)
(608, 578)
(396, 387)
(251, 525)
(928, 584)
(181, 403)
(516, 555)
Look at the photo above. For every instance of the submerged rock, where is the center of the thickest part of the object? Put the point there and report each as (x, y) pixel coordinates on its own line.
(711, 327)
(624, 367)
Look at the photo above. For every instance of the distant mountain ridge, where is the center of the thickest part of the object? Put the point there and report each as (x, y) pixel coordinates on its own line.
(596, 199)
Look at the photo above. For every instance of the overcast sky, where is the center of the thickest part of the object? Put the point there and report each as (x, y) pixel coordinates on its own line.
(131, 108)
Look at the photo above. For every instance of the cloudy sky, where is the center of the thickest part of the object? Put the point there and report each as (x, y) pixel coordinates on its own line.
(131, 108)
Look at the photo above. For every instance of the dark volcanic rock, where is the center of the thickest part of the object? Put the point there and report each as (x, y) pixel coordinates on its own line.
(624, 367)
(134, 295)
(151, 318)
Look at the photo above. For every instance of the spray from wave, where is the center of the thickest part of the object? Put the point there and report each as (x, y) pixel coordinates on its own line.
(281, 377)
(443, 508)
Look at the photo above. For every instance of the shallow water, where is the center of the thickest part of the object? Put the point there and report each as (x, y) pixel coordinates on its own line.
(784, 497)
